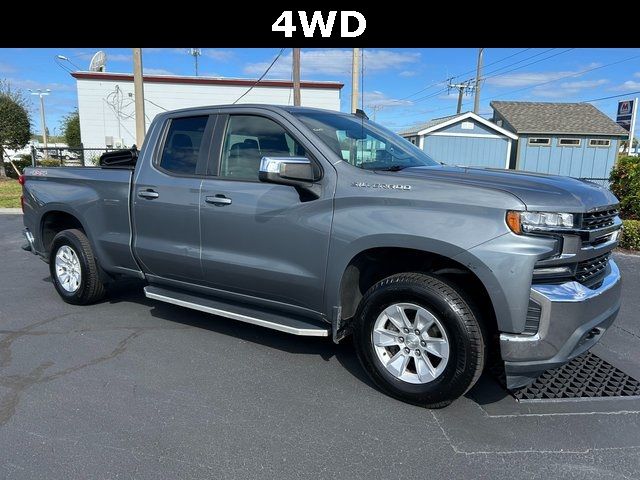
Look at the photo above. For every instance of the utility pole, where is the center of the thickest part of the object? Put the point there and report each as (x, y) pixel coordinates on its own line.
(296, 77)
(355, 71)
(196, 52)
(43, 120)
(476, 100)
(375, 109)
(462, 88)
(138, 88)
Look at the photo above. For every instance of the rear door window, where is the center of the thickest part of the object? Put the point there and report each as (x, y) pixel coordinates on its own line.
(182, 145)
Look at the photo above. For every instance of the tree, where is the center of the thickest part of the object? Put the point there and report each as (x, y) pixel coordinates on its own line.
(15, 125)
(70, 127)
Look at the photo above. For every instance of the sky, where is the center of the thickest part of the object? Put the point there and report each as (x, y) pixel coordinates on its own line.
(402, 87)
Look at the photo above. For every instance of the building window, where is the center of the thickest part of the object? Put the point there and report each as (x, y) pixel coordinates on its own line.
(599, 142)
(539, 142)
(413, 140)
(569, 142)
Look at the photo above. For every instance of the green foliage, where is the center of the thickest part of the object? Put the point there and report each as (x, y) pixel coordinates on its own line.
(625, 184)
(48, 162)
(630, 235)
(70, 128)
(20, 165)
(15, 126)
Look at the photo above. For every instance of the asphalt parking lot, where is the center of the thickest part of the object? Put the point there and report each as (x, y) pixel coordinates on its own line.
(131, 388)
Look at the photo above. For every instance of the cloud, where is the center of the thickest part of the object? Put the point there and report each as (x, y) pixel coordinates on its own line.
(157, 71)
(216, 54)
(567, 89)
(377, 98)
(580, 84)
(407, 73)
(332, 62)
(526, 79)
(119, 57)
(34, 85)
(637, 74)
(6, 68)
(628, 85)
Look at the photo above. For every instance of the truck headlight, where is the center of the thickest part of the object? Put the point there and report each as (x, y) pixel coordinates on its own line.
(523, 222)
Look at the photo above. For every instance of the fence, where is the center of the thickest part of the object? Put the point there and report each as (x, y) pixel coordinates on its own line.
(68, 157)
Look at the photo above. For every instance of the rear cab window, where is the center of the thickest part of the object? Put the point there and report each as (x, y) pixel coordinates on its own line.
(182, 145)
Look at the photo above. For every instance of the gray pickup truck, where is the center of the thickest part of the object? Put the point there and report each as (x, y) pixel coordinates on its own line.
(325, 224)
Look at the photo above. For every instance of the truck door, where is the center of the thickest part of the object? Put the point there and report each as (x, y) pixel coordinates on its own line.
(258, 239)
(166, 198)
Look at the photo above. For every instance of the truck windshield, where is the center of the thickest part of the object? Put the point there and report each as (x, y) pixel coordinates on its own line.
(364, 144)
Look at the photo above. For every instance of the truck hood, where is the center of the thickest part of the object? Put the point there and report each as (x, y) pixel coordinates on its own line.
(539, 192)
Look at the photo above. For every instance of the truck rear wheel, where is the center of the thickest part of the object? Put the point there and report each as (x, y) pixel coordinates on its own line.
(73, 268)
(419, 339)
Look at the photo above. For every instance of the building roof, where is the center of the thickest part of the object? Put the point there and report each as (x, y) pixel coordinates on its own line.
(224, 81)
(557, 118)
(421, 126)
(438, 123)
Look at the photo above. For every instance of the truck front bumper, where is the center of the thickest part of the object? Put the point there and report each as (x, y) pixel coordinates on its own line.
(573, 318)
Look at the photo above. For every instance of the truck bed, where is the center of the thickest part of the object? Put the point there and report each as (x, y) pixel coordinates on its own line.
(98, 196)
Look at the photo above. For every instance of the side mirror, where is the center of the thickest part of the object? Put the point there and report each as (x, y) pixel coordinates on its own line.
(294, 171)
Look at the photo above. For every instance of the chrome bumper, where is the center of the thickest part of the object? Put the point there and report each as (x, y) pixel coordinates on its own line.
(573, 318)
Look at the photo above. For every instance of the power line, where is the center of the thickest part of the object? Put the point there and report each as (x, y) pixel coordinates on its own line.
(501, 60)
(528, 64)
(261, 76)
(611, 96)
(153, 103)
(519, 61)
(464, 73)
(575, 74)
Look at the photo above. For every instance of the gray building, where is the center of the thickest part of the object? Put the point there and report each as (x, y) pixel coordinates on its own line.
(464, 139)
(573, 139)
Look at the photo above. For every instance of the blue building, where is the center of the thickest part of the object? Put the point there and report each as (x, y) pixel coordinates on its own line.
(573, 139)
(465, 139)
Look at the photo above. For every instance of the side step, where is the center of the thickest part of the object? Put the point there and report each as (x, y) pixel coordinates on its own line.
(274, 321)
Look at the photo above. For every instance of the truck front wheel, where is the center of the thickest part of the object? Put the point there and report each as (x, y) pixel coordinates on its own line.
(419, 339)
(73, 268)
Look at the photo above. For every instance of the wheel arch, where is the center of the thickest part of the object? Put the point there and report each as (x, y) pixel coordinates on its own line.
(373, 261)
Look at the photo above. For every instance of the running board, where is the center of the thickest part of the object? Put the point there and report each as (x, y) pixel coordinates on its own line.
(274, 321)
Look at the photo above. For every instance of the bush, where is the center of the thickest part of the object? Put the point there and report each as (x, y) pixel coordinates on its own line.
(625, 184)
(630, 235)
(20, 164)
(48, 162)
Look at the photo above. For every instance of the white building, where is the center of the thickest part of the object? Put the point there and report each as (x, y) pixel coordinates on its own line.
(106, 106)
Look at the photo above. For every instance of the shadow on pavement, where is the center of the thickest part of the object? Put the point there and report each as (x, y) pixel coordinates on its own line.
(486, 391)
(131, 291)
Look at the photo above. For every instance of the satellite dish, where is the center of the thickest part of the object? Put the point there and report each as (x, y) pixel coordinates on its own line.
(98, 62)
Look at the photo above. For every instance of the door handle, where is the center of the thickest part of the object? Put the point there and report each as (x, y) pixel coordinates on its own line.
(149, 194)
(218, 199)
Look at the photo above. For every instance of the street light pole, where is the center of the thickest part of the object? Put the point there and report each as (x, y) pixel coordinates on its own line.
(43, 122)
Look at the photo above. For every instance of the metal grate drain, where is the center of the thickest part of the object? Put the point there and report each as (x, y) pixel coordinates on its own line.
(586, 376)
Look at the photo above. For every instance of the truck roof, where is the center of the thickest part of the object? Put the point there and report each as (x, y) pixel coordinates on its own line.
(263, 106)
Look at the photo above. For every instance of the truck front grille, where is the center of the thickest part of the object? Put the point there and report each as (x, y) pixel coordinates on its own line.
(601, 219)
(590, 272)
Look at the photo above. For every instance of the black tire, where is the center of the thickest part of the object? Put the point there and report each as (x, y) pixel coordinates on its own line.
(91, 289)
(457, 314)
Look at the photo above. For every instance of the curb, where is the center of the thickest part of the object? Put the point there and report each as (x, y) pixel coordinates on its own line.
(10, 211)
